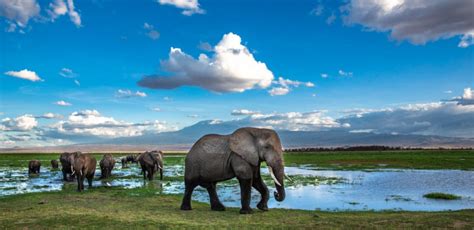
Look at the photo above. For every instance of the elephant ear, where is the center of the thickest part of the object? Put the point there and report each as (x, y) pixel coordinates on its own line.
(242, 142)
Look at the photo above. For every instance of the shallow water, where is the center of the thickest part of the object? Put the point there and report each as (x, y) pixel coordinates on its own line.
(312, 189)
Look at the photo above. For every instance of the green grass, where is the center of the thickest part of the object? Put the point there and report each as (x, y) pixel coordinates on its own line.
(115, 208)
(442, 196)
(403, 159)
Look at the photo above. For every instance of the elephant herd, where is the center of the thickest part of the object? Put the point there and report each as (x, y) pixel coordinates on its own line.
(80, 166)
(212, 159)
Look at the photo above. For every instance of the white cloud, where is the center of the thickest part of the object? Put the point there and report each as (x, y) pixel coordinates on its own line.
(128, 93)
(167, 98)
(189, 7)
(330, 20)
(151, 32)
(67, 73)
(193, 116)
(19, 12)
(448, 91)
(59, 8)
(342, 73)
(92, 123)
(318, 10)
(22, 123)
(50, 116)
(418, 21)
(156, 109)
(283, 86)
(324, 75)
(243, 112)
(466, 99)
(62, 103)
(232, 68)
(24, 74)
(279, 91)
(77, 82)
(295, 121)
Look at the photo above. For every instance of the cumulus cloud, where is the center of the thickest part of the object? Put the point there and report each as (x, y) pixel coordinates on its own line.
(67, 73)
(92, 123)
(59, 8)
(24, 74)
(416, 21)
(283, 86)
(232, 68)
(151, 32)
(19, 12)
(128, 93)
(22, 123)
(50, 116)
(243, 112)
(62, 103)
(466, 99)
(189, 7)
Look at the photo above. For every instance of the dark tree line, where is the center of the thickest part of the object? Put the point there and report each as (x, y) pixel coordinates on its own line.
(367, 148)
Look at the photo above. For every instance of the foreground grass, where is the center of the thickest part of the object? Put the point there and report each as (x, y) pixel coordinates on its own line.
(141, 208)
(403, 159)
(442, 196)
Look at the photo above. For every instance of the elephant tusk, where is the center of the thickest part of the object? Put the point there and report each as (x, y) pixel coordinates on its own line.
(72, 170)
(289, 178)
(273, 176)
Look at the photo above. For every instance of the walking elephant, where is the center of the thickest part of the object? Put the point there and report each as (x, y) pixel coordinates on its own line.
(84, 167)
(67, 160)
(150, 162)
(34, 167)
(106, 165)
(215, 158)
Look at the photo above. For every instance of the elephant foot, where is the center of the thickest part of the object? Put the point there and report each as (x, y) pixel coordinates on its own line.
(262, 206)
(246, 211)
(186, 208)
(218, 207)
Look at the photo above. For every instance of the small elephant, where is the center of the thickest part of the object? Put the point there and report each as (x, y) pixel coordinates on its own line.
(106, 165)
(150, 162)
(34, 167)
(215, 158)
(54, 164)
(67, 160)
(129, 158)
(84, 167)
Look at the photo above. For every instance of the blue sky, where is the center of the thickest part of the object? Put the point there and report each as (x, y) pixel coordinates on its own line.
(107, 45)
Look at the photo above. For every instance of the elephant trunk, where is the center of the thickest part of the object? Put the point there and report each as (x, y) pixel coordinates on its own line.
(277, 174)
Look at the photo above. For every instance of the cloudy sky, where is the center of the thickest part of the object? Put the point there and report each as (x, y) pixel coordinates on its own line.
(72, 71)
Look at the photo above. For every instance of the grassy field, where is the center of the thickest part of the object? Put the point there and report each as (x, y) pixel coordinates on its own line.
(407, 159)
(115, 208)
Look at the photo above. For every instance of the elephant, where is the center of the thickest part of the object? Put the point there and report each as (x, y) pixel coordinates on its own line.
(84, 167)
(129, 158)
(54, 164)
(106, 165)
(34, 167)
(67, 160)
(150, 162)
(214, 158)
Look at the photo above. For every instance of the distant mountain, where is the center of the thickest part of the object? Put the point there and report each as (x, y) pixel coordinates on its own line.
(292, 139)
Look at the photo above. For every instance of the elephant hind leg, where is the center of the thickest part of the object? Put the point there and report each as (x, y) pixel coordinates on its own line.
(216, 204)
(89, 179)
(188, 192)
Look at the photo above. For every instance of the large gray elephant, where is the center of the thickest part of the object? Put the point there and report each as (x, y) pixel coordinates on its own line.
(67, 160)
(84, 166)
(215, 158)
(106, 165)
(34, 167)
(150, 162)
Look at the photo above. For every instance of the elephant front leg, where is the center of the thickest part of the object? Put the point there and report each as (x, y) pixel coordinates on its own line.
(245, 193)
(262, 188)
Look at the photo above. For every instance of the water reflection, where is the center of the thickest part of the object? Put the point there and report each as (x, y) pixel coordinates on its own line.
(357, 190)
